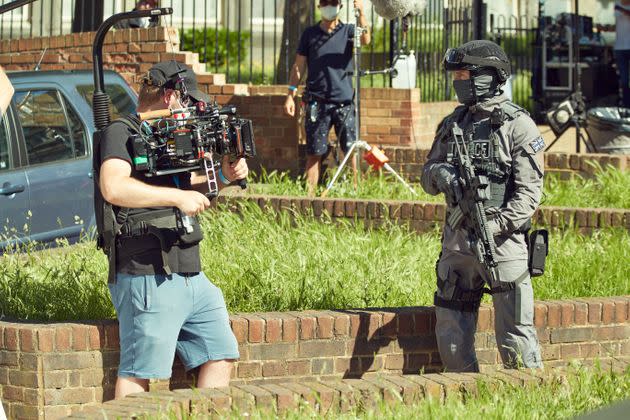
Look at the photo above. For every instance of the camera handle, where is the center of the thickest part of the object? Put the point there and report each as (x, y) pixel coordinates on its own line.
(213, 186)
(154, 115)
(241, 182)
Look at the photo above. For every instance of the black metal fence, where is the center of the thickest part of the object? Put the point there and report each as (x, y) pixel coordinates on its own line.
(517, 36)
(254, 41)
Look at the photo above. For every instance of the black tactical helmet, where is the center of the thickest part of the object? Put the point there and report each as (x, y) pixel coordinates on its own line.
(475, 55)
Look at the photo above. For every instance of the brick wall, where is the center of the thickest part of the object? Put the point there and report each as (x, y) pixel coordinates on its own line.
(129, 52)
(424, 216)
(390, 116)
(47, 370)
(410, 161)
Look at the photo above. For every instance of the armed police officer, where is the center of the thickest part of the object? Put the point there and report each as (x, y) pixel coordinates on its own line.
(163, 301)
(487, 161)
(326, 51)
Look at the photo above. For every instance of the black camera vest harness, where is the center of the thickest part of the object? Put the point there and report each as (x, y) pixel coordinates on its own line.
(113, 223)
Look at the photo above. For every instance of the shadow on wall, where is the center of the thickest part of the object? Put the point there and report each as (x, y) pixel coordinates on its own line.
(406, 335)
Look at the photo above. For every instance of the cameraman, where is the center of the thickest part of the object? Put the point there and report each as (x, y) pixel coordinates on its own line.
(163, 301)
(326, 50)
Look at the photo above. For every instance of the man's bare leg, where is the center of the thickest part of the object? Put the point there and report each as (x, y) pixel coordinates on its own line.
(126, 386)
(313, 168)
(215, 374)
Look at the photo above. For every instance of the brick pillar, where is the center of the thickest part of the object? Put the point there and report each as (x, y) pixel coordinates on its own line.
(277, 135)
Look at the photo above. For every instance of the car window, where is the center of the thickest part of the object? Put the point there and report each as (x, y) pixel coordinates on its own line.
(121, 103)
(77, 129)
(49, 136)
(5, 157)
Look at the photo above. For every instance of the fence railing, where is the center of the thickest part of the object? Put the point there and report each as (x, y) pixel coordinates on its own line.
(254, 41)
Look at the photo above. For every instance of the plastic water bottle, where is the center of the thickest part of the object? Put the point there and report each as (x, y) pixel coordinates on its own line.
(406, 66)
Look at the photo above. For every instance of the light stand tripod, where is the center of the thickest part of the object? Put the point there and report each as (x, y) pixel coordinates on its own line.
(375, 158)
(574, 111)
(360, 145)
(575, 105)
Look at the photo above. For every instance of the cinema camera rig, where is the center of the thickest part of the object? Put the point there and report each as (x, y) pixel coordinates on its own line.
(172, 141)
(185, 140)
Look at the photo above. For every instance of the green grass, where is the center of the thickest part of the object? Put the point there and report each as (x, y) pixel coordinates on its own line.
(583, 391)
(608, 188)
(265, 262)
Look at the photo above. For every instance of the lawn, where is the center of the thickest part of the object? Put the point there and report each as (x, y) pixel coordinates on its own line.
(265, 262)
(608, 188)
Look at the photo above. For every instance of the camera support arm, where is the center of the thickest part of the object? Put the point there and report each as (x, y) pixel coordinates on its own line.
(100, 98)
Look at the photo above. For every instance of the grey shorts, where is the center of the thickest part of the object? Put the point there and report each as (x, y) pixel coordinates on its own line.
(159, 315)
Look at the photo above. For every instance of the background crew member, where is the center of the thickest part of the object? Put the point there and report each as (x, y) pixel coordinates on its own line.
(508, 149)
(141, 22)
(160, 313)
(326, 49)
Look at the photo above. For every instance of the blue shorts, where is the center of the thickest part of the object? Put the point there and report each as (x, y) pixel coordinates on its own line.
(320, 117)
(159, 314)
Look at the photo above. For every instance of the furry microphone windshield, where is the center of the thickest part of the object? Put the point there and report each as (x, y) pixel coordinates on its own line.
(392, 9)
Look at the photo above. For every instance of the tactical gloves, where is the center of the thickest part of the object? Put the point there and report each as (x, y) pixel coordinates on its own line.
(446, 180)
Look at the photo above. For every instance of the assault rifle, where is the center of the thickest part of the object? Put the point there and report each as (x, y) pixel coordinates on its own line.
(470, 207)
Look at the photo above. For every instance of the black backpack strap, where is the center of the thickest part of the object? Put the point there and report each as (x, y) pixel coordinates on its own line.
(326, 37)
(106, 225)
(108, 222)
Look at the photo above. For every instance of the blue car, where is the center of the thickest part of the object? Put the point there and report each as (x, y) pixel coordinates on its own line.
(46, 185)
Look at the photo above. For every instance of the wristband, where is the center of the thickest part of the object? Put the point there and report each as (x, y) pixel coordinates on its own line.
(293, 88)
(222, 178)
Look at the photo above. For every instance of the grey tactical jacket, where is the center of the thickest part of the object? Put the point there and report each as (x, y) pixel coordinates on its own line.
(521, 152)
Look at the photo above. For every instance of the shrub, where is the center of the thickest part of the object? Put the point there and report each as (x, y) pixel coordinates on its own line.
(195, 41)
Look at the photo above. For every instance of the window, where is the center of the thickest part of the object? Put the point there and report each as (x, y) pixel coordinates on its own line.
(5, 157)
(121, 103)
(49, 135)
(79, 136)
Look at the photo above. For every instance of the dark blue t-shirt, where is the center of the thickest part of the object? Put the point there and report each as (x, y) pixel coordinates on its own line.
(330, 61)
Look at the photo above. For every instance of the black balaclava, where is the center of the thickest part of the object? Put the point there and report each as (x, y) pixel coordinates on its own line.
(483, 84)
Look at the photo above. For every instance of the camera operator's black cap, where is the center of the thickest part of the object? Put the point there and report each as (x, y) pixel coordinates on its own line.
(172, 75)
(477, 54)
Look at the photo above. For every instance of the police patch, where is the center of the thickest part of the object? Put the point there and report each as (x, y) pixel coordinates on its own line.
(538, 144)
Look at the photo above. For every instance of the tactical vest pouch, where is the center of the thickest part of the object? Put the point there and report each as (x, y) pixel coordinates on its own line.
(186, 228)
(189, 230)
(538, 246)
